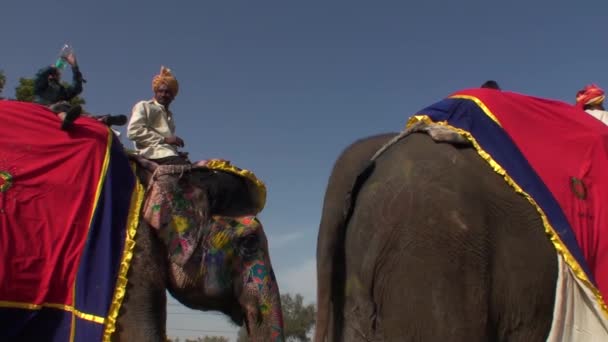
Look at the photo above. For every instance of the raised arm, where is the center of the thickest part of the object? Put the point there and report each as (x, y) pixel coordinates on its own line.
(76, 87)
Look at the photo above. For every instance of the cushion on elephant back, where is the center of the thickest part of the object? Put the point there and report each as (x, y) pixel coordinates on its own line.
(249, 189)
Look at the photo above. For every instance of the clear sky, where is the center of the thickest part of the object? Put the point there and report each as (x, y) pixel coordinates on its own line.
(281, 87)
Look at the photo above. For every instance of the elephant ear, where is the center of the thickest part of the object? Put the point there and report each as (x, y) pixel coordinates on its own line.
(177, 210)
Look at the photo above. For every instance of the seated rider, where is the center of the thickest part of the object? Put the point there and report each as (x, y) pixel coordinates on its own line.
(591, 100)
(491, 84)
(49, 91)
(152, 125)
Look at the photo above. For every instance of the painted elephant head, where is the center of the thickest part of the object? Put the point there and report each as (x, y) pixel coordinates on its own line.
(217, 250)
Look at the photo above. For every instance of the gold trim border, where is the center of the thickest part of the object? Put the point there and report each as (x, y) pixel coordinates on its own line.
(69, 308)
(137, 198)
(226, 166)
(559, 245)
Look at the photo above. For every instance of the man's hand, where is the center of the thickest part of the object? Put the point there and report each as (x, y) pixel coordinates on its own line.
(70, 58)
(174, 140)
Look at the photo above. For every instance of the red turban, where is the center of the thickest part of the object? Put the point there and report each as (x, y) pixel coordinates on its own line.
(590, 95)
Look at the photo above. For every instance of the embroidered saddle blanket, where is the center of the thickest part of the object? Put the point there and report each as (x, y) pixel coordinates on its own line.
(69, 208)
(556, 156)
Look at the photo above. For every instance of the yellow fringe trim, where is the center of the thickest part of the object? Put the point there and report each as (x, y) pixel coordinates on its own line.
(223, 165)
(137, 199)
(69, 308)
(559, 245)
(102, 178)
(73, 321)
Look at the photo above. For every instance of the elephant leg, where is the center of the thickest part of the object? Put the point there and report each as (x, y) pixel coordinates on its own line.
(143, 313)
(330, 250)
(525, 290)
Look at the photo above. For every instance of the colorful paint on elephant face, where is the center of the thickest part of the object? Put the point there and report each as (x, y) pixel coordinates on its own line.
(241, 242)
(176, 210)
(225, 240)
(260, 282)
(228, 253)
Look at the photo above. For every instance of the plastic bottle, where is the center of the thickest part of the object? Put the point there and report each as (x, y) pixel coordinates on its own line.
(65, 51)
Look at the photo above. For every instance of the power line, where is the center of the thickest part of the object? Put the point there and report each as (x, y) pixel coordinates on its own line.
(199, 313)
(213, 314)
(205, 331)
(219, 315)
(184, 313)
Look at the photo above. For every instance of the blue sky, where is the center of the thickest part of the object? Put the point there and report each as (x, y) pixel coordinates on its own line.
(281, 87)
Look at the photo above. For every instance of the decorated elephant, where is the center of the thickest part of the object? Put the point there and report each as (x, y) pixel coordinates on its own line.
(222, 264)
(112, 233)
(445, 232)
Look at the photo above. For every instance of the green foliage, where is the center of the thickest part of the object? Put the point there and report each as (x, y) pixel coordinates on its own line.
(202, 339)
(297, 318)
(211, 339)
(25, 92)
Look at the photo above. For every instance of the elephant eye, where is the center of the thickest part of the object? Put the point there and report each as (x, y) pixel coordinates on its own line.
(249, 244)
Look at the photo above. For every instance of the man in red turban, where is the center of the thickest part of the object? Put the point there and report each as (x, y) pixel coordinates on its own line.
(591, 100)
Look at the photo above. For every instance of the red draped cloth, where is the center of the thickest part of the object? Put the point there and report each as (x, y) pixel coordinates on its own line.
(69, 207)
(49, 183)
(568, 149)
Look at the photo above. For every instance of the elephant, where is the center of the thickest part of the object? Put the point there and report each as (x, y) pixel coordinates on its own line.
(427, 243)
(204, 282)
(194, 226)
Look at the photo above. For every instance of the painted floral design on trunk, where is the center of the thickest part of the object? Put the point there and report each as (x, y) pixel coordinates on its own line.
(260, 288)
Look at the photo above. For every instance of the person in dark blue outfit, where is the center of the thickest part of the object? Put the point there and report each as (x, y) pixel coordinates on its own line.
(49, 91)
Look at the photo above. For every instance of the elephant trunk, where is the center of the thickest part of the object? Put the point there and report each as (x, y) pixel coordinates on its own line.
(261, 302)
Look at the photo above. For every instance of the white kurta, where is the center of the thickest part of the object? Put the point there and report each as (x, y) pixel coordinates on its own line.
(599, 114)
(150, 124)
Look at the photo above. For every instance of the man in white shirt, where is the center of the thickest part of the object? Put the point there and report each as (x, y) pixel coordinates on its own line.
(591, 100)
(152, 127)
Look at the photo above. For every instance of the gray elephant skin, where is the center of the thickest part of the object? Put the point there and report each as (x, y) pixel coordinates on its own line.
(429, 244)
